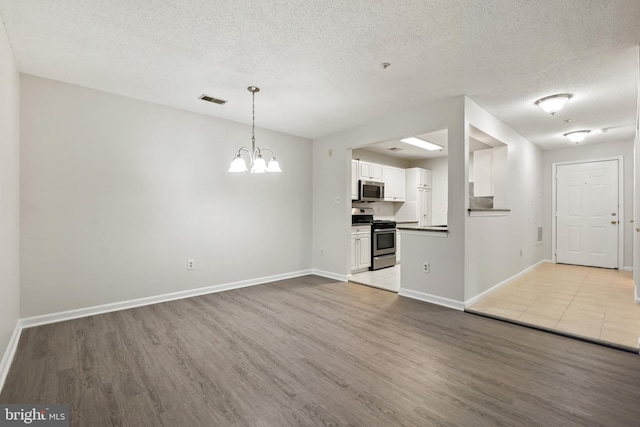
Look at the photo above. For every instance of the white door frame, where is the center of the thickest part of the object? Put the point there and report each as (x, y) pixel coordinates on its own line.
(554, 185)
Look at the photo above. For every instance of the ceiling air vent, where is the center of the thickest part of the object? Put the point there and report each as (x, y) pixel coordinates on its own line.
(212, 99)
(395, 149)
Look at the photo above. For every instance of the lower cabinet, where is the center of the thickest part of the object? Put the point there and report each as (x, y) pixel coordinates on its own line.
(360, 248)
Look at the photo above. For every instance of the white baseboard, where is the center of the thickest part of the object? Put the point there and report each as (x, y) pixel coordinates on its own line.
(330, 275)
(627, 268)
(433, 299)
(9, 353)
(504, 282)
(44, 319)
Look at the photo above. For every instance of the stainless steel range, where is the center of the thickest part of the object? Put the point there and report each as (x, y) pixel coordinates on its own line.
(383, 244)
(383, 238)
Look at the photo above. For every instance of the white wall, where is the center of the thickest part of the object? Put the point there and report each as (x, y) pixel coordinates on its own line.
(331, 172)
(493, 244)
(118, 193)
(9, 192)
(588, 152)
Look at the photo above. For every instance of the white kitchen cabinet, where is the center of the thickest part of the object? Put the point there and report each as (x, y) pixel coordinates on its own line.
(424, 207)
(424, 178)
(360, 248)
(418, 177)
(394, 184)
(483, 173)
(417, 205)
(354, 180)
(369, 171)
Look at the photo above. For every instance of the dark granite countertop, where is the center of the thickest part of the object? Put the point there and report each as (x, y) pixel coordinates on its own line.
(490, 210)
(415, 226)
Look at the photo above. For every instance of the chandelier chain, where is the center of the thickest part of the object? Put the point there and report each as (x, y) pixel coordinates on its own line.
(253, 122)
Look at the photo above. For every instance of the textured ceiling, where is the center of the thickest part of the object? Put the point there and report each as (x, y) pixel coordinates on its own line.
(318, 62)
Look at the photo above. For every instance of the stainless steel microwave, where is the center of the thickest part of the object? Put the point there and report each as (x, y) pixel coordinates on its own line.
(371, 191)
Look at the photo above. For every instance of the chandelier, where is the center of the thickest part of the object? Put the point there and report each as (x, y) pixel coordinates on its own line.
(256, 161)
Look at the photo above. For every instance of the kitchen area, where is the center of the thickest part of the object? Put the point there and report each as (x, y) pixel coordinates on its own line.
(395, 185)
(401, 187)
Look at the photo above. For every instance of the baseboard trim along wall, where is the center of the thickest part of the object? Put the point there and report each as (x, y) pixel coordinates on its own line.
(433, 299)
(330, 275)
(44, 319)
(494, 288)
(9, 353)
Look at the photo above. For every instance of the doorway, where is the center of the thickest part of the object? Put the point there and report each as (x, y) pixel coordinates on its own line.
(588, 207)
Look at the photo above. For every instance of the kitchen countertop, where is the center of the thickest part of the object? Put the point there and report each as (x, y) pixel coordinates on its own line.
(490, 210)
(415, 226)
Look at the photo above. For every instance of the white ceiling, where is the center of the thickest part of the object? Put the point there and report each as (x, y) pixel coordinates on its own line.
(318, 62)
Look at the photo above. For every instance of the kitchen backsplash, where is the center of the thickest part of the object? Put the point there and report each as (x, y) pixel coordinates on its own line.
(381, 210)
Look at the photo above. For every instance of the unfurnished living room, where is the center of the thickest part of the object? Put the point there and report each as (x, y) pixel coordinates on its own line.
(293, 213)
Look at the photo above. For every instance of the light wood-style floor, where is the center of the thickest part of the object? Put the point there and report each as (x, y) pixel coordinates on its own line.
(312, 351)
(586, 301)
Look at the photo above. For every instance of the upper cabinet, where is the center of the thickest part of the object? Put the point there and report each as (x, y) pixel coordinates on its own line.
(417, 206)
(490, 173)
(394, 184)
(369, 171)
(418, 178)
(354, 179)
(483, 173)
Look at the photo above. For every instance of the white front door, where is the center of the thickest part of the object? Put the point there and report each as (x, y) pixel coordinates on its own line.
(587, 214)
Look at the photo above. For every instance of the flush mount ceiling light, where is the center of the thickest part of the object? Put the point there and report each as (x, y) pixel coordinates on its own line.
(256, 161)
(577, 136)
(553, 103)
(421, 143)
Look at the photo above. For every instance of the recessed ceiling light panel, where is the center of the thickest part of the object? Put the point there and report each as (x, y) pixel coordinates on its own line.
(421, 143)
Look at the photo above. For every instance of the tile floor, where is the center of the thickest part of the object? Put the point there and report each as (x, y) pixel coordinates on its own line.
(386, 278)
(586, 301)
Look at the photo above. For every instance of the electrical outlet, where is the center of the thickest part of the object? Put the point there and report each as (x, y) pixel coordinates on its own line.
(191, 264)
(322, 252)
(426, 267)
(337, 200)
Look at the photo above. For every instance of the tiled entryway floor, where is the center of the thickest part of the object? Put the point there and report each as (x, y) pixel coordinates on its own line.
(586, 301)
(386, 278)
